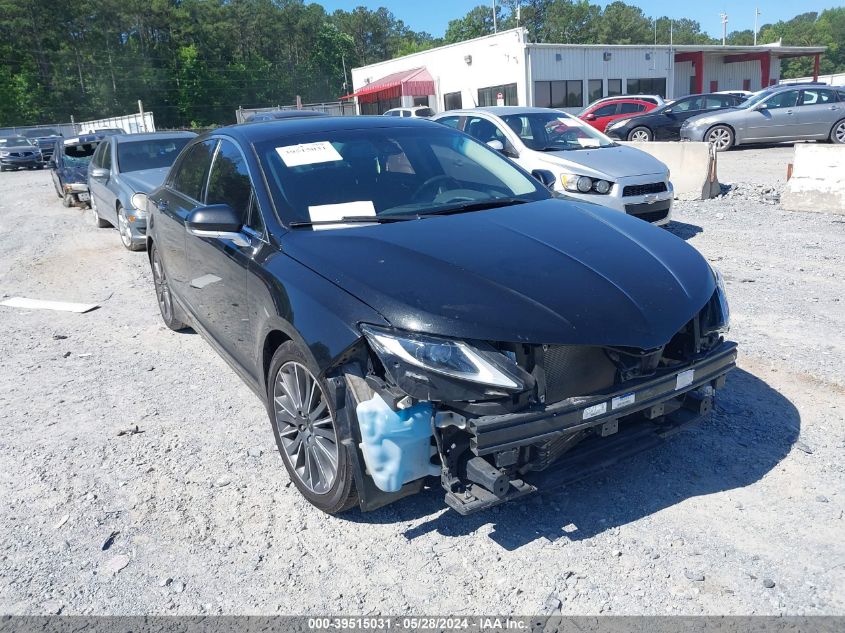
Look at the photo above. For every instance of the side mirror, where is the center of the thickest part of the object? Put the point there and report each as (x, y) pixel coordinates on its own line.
(546, 177)
(496, 145)
(99, 173)
(761, 106)
(668, 111)
(216, 220)
(590, 117)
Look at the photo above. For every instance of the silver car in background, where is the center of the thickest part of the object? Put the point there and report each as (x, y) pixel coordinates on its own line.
(789, 112)
(572, 158)
(124, 168)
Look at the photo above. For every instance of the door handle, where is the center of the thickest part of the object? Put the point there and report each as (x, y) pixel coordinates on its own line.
(833, 108)
(790, 112)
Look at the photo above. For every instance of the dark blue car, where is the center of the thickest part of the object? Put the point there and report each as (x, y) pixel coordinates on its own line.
(69, 168)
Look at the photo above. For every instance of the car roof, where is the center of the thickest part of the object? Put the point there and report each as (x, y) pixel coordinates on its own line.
(149, 136)
(506, 110)
(269, 130)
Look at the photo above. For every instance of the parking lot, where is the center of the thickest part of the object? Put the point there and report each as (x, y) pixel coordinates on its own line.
(138, 475)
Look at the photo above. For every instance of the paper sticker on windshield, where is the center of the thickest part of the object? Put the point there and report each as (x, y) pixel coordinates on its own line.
(588, 142)
(335, 213)
(308, 154)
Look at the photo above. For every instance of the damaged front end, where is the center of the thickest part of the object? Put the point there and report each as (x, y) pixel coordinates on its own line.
(498, 420)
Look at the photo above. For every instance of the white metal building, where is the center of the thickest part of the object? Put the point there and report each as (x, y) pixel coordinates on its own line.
(506, 68)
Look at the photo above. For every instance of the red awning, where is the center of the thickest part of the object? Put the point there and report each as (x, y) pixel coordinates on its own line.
(417, 82)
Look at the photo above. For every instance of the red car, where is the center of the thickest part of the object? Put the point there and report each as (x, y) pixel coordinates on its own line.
(601, 115)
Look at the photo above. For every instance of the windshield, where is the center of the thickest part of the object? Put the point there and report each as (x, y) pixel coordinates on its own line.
(555, 132)
(79, 155)
(398, 172)
(754, 99)
(14, 141)
(149, 154)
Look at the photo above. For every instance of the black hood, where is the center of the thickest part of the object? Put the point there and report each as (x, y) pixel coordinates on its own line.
(551, 272)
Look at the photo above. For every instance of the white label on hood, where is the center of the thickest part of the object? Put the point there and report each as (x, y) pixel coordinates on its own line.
(308, 154)
(336, 213)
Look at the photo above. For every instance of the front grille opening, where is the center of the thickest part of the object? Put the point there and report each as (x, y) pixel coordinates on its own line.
(642, 190)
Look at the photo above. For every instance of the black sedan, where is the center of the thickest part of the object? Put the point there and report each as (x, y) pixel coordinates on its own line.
(664, 123)
(409, 304)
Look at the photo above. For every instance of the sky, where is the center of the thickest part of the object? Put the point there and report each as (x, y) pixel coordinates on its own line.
(434, 15)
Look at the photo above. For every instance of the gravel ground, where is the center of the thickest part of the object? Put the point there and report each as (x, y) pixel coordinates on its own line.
(193, 513)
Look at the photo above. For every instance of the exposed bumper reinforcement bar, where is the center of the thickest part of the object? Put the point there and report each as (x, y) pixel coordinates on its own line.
(492, 434)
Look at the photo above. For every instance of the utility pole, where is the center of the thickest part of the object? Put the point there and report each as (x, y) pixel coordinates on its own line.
(495, 25)
(756, 15)
(724, 17)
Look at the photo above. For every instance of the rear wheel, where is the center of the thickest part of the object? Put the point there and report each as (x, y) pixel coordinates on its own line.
(721, 137)
(171, 314)
(306, 432)
(640, 135)
(837, 134)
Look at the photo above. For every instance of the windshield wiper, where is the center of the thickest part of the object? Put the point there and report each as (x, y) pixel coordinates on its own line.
(351, 219)
(479, 205)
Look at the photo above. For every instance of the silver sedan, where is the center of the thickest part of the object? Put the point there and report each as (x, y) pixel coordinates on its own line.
(782, 113)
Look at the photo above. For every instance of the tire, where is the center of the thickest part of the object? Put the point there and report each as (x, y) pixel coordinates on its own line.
(99, 222)
(125, 231)
(316, 461)
(640, 134)
(721, 137)
(171, 313)
(2, 168)
(837, 132)
(67, 200)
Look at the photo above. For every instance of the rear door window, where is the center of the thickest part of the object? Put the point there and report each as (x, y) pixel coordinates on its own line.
(630, 108)
(192, 172)
(817, 96)
(688, 105)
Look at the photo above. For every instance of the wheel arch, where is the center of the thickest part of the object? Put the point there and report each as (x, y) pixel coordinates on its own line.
(727, 125)
(833, 127)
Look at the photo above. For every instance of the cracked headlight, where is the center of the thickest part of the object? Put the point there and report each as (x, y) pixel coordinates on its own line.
(434, 368)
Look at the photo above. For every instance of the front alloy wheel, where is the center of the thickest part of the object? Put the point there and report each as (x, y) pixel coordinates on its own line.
(305, 428)
(125, 230)
(721, 138)
(304, 424)
(169, 312)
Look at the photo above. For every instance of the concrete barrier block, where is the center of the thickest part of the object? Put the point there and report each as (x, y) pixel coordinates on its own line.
(818, 179)
(693, 167)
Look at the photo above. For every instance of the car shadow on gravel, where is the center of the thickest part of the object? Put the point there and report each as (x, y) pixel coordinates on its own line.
(683, 230)
(751, 429)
